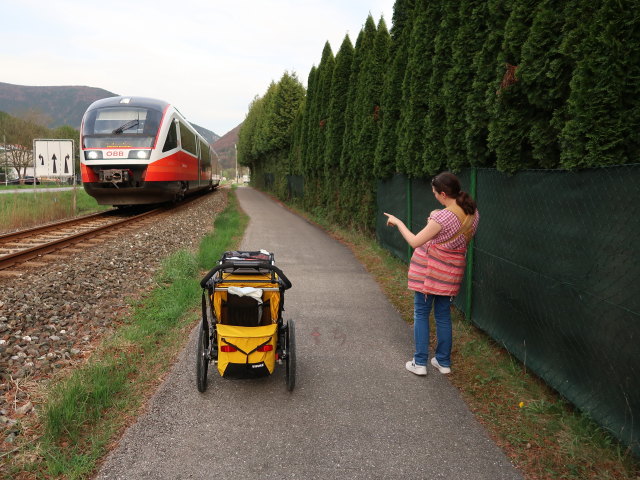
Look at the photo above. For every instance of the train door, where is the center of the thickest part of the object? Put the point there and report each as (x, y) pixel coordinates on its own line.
(205, 163)
(189, 158)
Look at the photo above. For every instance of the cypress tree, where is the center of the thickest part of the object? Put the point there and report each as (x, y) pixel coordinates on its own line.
(347, 181)
(272, 130)
(368, 115)
(390, 106)
(308, 127)
(337, 106)
(263, 133)
(295, 153)
(346, 153)
(544, 81)
(511, 122)
(604, 115)
(313, 133)
(359, 110)
(286, 103)
(578, 16)
(336, 126)
(435, 155)
(247, 132)
(494, 14)
(325, 77)
(414, 87)
(467, 42)
(371, 82)
(363, 104)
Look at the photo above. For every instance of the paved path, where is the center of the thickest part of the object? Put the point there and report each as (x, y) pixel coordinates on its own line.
(355, 413)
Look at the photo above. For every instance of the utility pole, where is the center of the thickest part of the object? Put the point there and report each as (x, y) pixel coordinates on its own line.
(6, 164)
(235, 148)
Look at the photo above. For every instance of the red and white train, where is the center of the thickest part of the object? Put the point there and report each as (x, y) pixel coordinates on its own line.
(138, 150)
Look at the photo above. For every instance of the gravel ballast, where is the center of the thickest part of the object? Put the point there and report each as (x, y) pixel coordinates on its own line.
(52, 316)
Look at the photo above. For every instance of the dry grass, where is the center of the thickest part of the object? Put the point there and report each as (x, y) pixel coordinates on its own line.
(23, 210)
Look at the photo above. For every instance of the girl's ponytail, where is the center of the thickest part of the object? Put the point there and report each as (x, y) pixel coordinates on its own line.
(467, 203)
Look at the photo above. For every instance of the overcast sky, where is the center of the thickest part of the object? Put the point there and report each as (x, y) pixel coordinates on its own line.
(207, 57)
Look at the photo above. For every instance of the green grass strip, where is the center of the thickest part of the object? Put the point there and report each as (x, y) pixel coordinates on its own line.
(85, 411)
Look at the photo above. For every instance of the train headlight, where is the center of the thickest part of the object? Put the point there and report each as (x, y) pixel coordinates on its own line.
(139, 154)
(92, 154)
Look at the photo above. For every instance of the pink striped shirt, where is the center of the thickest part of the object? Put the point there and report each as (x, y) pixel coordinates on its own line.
(450, 226)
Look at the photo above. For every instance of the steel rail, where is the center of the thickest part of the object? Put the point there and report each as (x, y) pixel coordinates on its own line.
(54, 225)
(9, 260)
(21, 256)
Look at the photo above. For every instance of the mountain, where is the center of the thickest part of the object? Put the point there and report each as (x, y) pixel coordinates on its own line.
(225, 148)
(208, 134)
(57, 106)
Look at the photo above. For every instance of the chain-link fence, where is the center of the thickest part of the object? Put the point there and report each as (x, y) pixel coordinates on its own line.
(555, 277)
(295, 186)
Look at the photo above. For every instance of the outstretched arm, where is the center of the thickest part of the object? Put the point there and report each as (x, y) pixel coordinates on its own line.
(427, 233)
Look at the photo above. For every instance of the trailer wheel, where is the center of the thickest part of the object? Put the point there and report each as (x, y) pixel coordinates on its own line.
(202, 357)
(290, 361)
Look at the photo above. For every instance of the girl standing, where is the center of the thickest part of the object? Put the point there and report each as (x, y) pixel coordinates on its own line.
(437, 268)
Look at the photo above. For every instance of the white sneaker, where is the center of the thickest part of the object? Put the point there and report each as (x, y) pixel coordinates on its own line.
(417, 369)
(442, 369)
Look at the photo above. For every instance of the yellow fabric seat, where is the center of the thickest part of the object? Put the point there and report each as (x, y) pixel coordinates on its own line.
(270, 296)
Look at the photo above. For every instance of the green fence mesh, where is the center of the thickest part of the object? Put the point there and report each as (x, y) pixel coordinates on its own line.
(295, 186)
(269, 180)
(555, 277)
(394, 197)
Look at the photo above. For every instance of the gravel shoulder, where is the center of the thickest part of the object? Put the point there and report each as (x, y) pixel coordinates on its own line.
(53, 315)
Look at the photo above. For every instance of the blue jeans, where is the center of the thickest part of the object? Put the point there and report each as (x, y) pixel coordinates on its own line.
(442, 313)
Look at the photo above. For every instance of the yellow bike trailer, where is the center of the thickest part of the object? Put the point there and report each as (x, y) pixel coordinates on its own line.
(242, 330)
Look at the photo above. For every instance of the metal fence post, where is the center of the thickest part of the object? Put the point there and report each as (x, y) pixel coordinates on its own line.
(409, 215)
(469, 270)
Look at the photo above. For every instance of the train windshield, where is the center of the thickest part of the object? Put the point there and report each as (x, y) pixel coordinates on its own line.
(133, 127)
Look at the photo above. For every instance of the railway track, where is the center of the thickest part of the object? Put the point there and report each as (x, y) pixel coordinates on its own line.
(16, 248)
(31, 246)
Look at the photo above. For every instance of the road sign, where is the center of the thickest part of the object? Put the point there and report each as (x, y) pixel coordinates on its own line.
(53, 158)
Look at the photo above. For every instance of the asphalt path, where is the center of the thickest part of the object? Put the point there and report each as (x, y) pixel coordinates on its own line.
(355, 412)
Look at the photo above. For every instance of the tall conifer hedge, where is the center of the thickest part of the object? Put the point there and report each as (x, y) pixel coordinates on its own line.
(513, 84)
(391, 99)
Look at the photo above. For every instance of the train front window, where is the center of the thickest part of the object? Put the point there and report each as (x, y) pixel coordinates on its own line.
(122, 127)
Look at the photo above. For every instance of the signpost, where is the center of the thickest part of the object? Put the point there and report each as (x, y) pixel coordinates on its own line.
(54, 159)
(6, 164)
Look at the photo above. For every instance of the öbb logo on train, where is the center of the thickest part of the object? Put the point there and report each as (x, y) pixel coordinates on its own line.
(115, 153)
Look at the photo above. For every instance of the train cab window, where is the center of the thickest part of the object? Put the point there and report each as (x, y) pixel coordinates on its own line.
(172, 138)
(188, 139)
(121, 126)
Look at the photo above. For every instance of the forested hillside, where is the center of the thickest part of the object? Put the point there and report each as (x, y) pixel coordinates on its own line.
(53, 107)
(225, 147)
